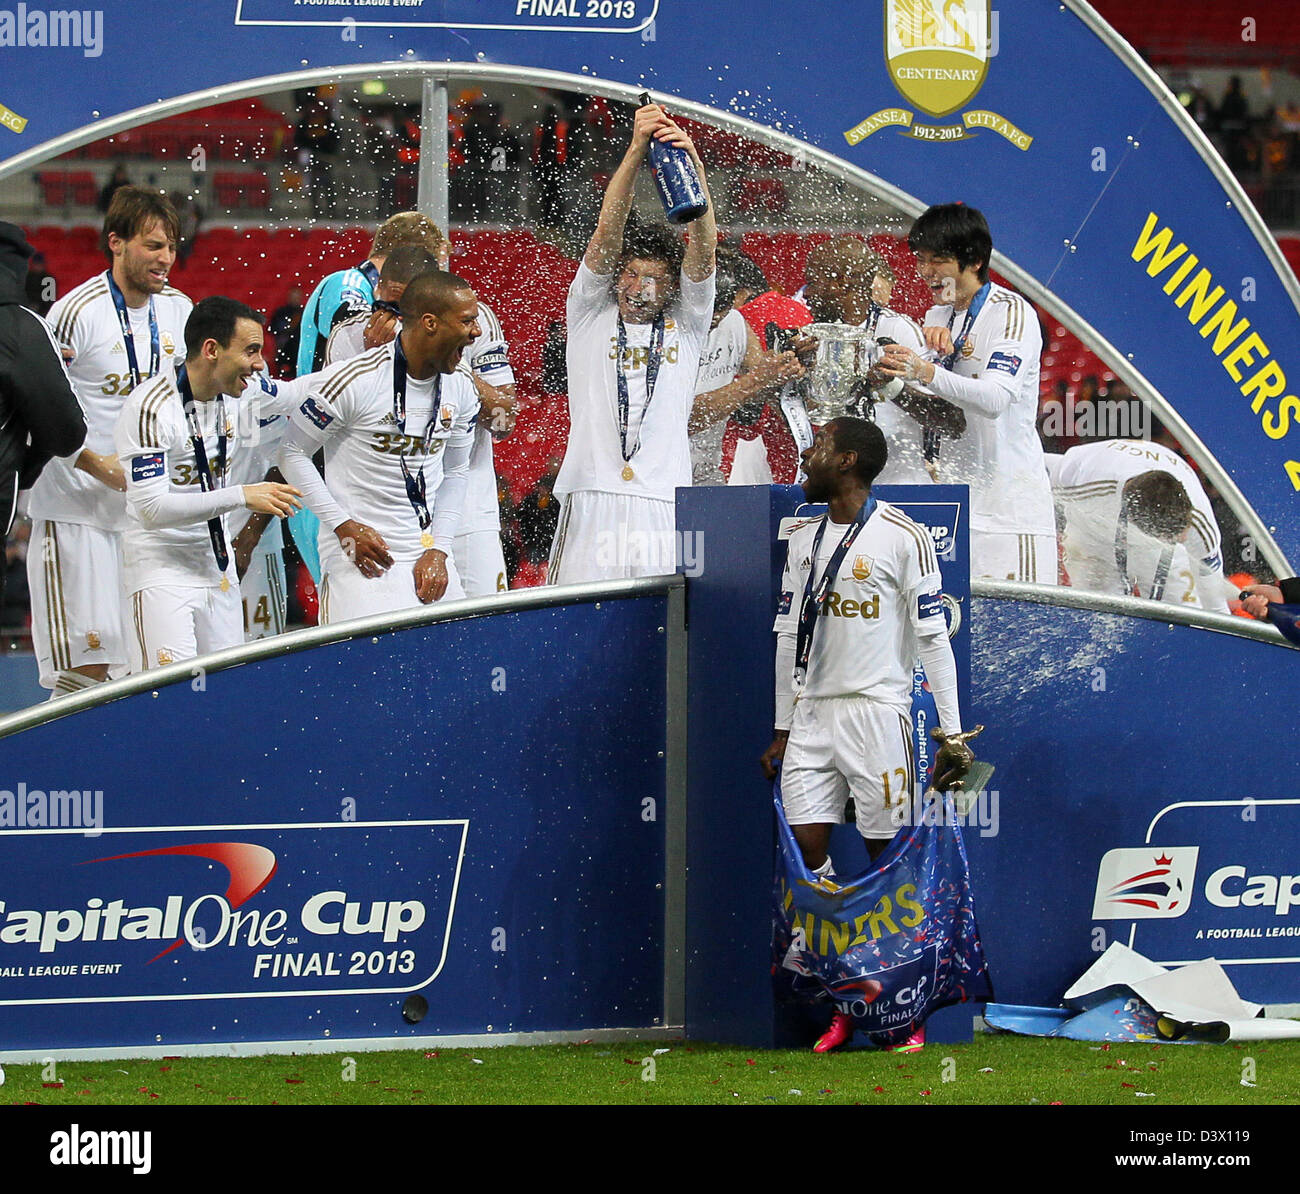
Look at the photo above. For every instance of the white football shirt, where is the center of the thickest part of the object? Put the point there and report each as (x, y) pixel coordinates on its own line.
(489, 357)
(888, 591)
(261, 415)
(995, 381)
(903, 434)
(173, 547)
(720, 363)
(594, 459)
(86, 325)
(1088, 481)
(350, 412)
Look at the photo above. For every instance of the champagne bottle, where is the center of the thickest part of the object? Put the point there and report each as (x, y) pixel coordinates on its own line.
(680, 189)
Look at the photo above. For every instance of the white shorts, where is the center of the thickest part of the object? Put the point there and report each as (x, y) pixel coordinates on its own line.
(74, 574)
(346, 594)
(608, 536)
(481, 563)
(997, 555)
(173, 622)
(261, 593)
(848, 746)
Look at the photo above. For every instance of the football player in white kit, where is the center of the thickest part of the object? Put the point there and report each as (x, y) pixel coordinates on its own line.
(861, 600)
(637, 326)
(397, 426)
(176, 441)
(378, 324)
(842, 279)
(480, 561)
(116, 331)
(734, 370)
(479, 556)
(1139, 523)
(257, 540)
(988, 343)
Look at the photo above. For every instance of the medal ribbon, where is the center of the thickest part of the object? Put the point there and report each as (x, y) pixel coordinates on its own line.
(207, 481)
(651, 375)
(128, 336)
(1163, 564)
(416, 492)
(814, 596)
(931, 438)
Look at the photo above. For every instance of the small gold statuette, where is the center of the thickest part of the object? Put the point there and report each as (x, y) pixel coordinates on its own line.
(628, 474)
(225, 584)
(426, 540)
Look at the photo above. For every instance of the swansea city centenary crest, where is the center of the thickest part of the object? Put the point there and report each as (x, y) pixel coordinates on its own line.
(938, 54)
(937, 51)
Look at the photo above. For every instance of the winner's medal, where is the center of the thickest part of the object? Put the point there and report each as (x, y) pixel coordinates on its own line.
(655, 356)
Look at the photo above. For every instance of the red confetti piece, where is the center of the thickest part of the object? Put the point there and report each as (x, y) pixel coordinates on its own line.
(880, 1090)
(749, 1061)
(628, 1060)
(926, 1092)
(164, 1068)
(1105, 1048)
(1128, 1084)
(294, 1081)
(1055, 1103)
(52, 1085)
(429, 1055)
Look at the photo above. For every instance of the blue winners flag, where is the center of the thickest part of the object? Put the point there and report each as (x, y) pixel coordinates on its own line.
(888, 946)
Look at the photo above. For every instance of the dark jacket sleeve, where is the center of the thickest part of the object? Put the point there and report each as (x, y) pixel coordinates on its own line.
(1290, 590)
(39, 395)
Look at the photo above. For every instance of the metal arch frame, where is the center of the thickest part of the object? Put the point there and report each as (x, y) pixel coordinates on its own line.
(435, 76)
(1130, 607)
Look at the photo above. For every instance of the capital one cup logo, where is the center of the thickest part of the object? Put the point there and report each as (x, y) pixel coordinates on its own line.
(1147, 883)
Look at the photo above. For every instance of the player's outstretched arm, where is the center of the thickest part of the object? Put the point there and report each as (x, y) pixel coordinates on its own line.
(607, 241)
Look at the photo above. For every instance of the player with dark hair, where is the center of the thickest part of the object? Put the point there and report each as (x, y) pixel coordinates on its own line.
(983, 344)
(955, 231)
(638, 316)
(734, 370)
(116, 331)
(349, 292)
(177, 442)
(1137, 522)
(397, 426)
(378, 325)
(860, 603)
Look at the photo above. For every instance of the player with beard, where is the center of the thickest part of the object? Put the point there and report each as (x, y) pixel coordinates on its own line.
(117, 330)
(843, 279)
(397, 426)
(860, 602)
(177, 444)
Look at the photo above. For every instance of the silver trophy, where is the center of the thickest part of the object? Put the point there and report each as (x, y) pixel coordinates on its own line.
(845, 354)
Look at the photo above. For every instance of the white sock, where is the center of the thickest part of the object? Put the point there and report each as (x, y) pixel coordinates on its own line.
(826, 870)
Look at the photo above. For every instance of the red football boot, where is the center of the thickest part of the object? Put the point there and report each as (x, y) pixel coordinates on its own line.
(914, 1043)
(839, 1033)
